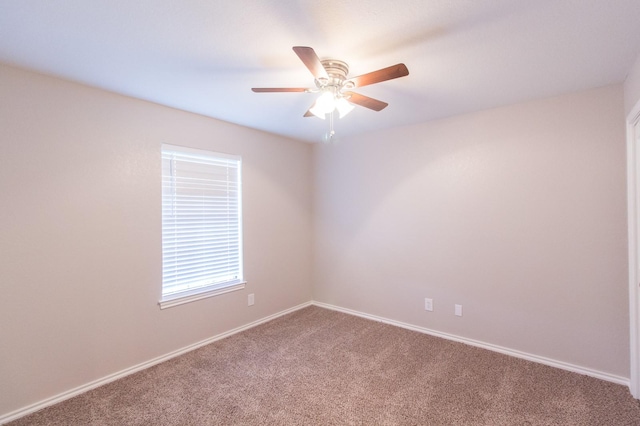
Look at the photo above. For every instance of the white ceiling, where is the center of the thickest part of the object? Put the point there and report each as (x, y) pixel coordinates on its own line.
(205, 55)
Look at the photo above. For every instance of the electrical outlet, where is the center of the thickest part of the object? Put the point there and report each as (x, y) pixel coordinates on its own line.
(251, 299)
(428, 304)
(458, 310)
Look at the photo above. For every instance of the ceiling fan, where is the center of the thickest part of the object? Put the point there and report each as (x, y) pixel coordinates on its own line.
(330, 77)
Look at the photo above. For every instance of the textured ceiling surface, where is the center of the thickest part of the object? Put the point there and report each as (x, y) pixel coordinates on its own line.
(205, 55)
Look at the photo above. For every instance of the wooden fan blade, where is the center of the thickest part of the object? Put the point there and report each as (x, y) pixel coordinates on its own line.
(365, 101)
(308, 56)
(277, 89)
(389, 73)
(309, 113)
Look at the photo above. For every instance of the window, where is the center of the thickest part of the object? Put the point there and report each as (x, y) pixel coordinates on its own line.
(201, 224)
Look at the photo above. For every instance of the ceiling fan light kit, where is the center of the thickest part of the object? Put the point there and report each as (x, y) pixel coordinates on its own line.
(330, 77)
(330, 101)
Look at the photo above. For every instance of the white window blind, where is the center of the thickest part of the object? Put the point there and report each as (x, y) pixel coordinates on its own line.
(201, 222)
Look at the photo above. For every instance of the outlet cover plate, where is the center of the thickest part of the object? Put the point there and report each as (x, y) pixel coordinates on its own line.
(428, 304)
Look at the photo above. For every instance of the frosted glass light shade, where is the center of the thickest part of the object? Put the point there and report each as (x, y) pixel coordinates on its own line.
(344, 107)
(325, 104)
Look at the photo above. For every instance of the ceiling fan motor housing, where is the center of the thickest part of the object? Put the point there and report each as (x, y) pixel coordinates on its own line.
(337, 71)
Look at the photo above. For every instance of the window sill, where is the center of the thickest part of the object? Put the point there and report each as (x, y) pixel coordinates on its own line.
(180, 300)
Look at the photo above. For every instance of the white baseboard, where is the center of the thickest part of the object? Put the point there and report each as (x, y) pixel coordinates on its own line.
(495, 348)
(120, 374)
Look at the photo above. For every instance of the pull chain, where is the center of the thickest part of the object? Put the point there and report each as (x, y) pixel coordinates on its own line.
(328, 137)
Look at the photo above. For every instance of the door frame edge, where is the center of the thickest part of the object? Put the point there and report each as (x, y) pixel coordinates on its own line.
(632, 210)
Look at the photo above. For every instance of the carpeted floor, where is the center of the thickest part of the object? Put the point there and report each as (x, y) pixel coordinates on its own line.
(320, 367)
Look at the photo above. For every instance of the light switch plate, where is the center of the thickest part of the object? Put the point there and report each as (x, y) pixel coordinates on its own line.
(458, 310)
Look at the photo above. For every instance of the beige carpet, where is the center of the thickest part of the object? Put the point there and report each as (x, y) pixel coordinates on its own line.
(319, 367)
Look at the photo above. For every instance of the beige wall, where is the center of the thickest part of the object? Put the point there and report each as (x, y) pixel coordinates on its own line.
(80, 244)
(517, 213)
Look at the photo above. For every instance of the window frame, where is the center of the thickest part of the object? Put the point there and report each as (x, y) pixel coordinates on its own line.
(217, 288)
